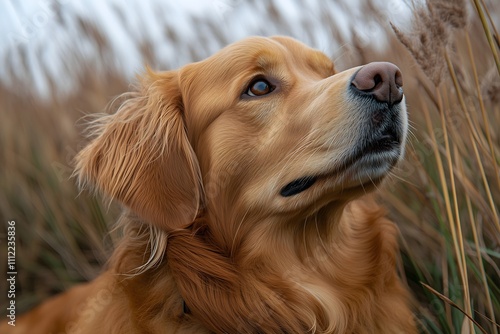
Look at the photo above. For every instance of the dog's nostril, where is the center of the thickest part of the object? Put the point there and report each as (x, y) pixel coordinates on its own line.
(381, 80)
(399, 78)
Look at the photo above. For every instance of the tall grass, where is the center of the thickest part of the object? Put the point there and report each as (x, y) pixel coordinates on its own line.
(453, 193)
(61, 234)
(444, 196)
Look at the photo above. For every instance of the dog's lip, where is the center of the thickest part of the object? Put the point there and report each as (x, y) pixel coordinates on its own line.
(388, 141)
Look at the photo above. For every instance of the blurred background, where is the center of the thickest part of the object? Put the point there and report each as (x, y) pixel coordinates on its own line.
(61, 60)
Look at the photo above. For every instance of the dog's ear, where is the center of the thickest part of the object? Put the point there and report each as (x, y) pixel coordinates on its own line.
(142, 157)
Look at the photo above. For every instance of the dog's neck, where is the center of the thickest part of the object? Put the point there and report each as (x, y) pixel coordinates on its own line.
(275, 278)
(238, 231)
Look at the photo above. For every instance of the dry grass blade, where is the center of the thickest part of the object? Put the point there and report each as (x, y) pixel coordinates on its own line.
(484, 278)
(451, 303)
(495, 32)
(488, 33)
(496, 326)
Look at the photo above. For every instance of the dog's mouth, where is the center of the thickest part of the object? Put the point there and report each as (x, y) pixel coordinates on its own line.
(388, 141)
(370, 162)
(298, 186)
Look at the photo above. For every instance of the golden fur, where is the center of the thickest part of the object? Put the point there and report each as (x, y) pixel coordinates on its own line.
(209, 244)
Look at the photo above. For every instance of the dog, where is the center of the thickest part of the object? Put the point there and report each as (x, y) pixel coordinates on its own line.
(246, 183)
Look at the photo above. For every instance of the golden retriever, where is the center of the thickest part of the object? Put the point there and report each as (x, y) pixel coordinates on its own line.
(244, 179)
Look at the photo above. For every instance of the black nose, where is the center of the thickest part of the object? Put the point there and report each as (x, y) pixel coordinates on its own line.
(381, 80)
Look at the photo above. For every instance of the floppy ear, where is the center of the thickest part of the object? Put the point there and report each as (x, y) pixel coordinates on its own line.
(141, 155)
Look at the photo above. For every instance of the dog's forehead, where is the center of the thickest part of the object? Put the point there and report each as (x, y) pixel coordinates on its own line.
(265, 52)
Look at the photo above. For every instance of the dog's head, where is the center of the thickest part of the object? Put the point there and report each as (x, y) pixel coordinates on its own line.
(260, 136)
(266, 125)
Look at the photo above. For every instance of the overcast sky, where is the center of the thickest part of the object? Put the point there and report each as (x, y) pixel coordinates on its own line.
(53, 41)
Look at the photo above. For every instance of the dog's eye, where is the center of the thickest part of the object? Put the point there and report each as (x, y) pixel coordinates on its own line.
(259, 87)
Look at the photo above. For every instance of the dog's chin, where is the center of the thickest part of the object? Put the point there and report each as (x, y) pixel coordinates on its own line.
(368, 170)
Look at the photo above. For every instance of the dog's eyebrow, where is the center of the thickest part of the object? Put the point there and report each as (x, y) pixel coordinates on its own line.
(268, 62)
